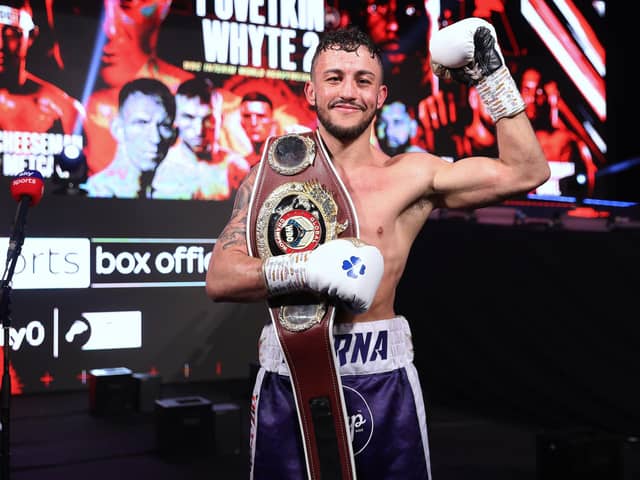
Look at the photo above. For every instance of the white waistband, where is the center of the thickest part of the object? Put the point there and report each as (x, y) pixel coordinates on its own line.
(361, 347)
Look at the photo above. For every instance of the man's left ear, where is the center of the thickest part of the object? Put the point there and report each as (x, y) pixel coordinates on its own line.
(116, 128)
(310, 94)
(382, 96)
(174, 136)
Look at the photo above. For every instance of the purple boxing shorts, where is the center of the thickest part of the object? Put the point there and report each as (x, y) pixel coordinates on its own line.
(385, 408)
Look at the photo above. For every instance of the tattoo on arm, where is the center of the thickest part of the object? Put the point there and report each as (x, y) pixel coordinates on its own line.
(234, 233)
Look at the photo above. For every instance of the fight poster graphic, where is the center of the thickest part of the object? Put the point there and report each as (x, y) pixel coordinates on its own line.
(174, 99)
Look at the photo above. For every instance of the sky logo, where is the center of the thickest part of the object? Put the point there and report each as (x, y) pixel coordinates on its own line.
(51, 263)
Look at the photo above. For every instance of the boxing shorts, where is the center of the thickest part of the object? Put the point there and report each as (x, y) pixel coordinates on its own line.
(385, 408)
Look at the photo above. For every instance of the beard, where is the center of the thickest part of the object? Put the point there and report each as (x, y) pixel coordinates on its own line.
(344, 133)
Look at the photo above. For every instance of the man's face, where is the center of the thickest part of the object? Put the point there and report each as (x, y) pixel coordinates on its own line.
(346, 91)
(131, 28)
(256, 117)
(15, 27)
(533, 93)
(145, 130)
(196, 124)
(387, 19)
(395, 125)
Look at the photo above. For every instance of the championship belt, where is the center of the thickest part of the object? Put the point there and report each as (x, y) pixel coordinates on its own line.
(299, 202)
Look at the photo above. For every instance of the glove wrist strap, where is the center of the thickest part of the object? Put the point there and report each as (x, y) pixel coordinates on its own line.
(500, 94)
(285, 273)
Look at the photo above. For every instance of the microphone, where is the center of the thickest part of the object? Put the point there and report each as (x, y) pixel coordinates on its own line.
(27, 189)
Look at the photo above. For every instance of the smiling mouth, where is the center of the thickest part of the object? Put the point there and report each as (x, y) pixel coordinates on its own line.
(108, 58)
(348, 106)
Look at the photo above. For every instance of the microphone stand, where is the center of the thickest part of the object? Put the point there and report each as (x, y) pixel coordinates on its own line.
(15, 247)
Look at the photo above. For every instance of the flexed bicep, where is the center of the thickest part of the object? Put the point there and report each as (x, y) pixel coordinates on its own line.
(471, 182)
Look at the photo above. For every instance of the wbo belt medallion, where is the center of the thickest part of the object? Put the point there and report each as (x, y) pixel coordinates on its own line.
(291, 154)
(297, 217)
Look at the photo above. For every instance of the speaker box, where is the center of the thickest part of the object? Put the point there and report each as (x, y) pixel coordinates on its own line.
(583, 455)
(184, 426)
(110, 391)
(227, 419)
(146, 390)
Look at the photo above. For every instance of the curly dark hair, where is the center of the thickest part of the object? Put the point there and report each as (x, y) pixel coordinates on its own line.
(347, 39)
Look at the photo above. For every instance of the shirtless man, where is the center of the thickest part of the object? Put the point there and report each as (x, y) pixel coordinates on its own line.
(393, 197)
(27, 102)
(569, 155)
(396, 129)
(143, 130)
(197, 166)
(256, 118)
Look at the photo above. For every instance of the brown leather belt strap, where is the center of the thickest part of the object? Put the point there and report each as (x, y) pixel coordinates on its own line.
(319, 401)
(298, 202)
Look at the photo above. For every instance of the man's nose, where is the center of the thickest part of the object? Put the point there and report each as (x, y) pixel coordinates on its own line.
(392, 27)
(198, 127)
(111, 23)
(391, 18)
(154, 134)
(348, 90)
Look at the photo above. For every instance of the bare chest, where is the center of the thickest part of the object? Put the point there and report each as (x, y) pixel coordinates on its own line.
(377, 206)
(29, 113)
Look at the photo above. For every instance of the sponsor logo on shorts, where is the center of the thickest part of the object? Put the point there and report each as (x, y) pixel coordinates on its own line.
(360, 419)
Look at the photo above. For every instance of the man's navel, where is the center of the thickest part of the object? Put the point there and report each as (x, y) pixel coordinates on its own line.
(380, 230)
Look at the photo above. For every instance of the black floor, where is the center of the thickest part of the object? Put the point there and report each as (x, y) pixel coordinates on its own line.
(54, 436)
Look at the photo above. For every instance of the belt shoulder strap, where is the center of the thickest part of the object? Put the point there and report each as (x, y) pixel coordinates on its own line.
(298, 202)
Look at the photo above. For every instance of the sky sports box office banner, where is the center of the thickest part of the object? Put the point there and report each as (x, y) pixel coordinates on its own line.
(144, 116)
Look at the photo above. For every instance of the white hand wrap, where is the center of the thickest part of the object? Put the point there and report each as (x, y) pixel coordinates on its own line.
(346, 269)
(468, 51)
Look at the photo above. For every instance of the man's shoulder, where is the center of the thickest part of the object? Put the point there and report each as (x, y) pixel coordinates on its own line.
(179, 154)
(49, 89)
(414, 157)
(116, 179)
(51, 94)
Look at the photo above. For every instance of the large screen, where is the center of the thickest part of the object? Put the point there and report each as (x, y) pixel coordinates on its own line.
(226, 75)
(144, 116)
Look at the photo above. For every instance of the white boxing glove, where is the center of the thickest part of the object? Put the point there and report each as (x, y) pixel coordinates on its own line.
(468, 52)
(346, 269)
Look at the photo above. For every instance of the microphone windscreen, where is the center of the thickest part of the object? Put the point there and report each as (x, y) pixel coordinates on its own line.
(28, 183)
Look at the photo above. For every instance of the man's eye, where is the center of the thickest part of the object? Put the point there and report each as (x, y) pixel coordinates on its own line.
(411, 10)
(11, 33)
